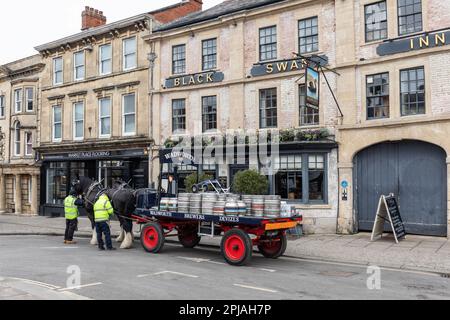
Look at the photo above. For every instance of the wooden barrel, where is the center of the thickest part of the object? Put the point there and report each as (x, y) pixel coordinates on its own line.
(248, 201)
(242, 208)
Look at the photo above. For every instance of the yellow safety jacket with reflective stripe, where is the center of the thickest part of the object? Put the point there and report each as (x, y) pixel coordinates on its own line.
(103, 209)
(70, 209)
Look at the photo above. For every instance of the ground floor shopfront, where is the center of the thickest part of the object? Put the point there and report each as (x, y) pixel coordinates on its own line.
(59, 170)
(19, 189)
(305, 175)
(409, 160)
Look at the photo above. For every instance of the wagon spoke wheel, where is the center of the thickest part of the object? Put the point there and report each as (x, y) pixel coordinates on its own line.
(273, 247)
(152, 237)
(237, 247)
(189, 237)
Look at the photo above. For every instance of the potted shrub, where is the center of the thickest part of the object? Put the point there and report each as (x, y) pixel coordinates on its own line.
(250, 182)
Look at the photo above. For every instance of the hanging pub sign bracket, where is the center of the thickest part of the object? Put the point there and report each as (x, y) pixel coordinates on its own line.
(388, 211)
(313, 69)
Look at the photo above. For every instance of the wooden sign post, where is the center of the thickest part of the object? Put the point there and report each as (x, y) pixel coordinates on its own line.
(389, 212)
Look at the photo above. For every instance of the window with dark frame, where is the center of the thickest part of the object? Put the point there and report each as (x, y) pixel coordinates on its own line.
(268, 43)
(301, 178)
(209, 113)
(412, 91)
(376, 21)
(309, 115)
(268, 116)
(409, 16)
(2, 106)
(377, 95)
(179, 59)
(178, 115)
(29, 92)
(209, 54)
(29, 143)
(308, 31)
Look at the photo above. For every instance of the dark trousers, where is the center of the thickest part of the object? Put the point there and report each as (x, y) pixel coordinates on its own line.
(103, 228)
(71, 227)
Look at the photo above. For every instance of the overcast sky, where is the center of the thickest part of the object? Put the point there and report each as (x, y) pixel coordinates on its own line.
(25, 24)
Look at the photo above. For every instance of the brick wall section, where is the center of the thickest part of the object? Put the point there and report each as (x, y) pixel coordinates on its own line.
(182, 9)
(440, 83)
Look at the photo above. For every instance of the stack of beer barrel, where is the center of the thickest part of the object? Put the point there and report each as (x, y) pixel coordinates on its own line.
(184, 200)
(195, 203)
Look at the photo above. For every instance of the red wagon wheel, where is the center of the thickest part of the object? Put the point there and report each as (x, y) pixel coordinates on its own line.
(273, 247)
(152, 237)
(189, 237)
(237, 247)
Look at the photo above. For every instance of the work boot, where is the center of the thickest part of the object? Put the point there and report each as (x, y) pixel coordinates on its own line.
(71, 242)
(65, 241)
(112, 249)
(101, 249)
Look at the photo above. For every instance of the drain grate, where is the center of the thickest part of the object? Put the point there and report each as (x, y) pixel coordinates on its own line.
(445, 275)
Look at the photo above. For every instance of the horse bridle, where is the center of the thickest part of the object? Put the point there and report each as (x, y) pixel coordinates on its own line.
(91, 188)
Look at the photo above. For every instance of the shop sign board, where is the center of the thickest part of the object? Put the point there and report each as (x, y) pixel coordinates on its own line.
(287, 65)
(388, 211)
(194, 79)
(424, 41)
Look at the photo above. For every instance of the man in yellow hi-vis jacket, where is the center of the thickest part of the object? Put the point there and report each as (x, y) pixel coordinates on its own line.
(71, 205)
(103, 210)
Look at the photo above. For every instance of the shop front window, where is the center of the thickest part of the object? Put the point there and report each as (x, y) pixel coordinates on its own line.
(57, 182)
(110, 171)
(301, 178)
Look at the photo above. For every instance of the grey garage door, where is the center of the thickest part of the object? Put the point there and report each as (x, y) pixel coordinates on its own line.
(414, 171)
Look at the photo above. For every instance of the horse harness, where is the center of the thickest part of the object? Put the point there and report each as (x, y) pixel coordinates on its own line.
(97, 196)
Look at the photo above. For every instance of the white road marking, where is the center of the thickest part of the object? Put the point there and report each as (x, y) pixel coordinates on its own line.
(82, 286)
(268, 270)
(216, 262)
(198, 260)
(175, 273)
(255, 288)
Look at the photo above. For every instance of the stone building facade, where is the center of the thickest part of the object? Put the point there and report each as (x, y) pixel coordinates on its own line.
(95, 115)
(393, 57)
(19, 114)
(224, 68)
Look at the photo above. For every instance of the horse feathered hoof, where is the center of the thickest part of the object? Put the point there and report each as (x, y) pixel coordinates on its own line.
(127, 242)
(121, 237)
(94, 241)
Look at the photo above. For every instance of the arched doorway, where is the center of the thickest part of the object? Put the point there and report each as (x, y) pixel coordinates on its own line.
(415, 172)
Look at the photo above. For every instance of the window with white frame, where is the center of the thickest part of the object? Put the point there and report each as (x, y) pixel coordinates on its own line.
(105, 117)
(57, 123)
(78, 121)
(29, 93)
(17, 139)
(28, 144)
(58, 71)
(105, 62)
(18, 98)
(78, 66)
(2, 106)
(129, 53)
(129, 114)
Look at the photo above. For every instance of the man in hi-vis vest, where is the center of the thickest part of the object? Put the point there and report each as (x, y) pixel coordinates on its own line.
(71, 205)
(103, 210)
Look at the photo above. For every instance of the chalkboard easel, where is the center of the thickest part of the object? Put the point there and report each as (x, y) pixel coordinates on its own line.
(388, 211)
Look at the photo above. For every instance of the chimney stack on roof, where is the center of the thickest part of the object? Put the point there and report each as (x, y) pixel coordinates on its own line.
(92, 18)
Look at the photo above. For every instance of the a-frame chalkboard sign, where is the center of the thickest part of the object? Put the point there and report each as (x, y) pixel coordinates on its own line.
(389, 212)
